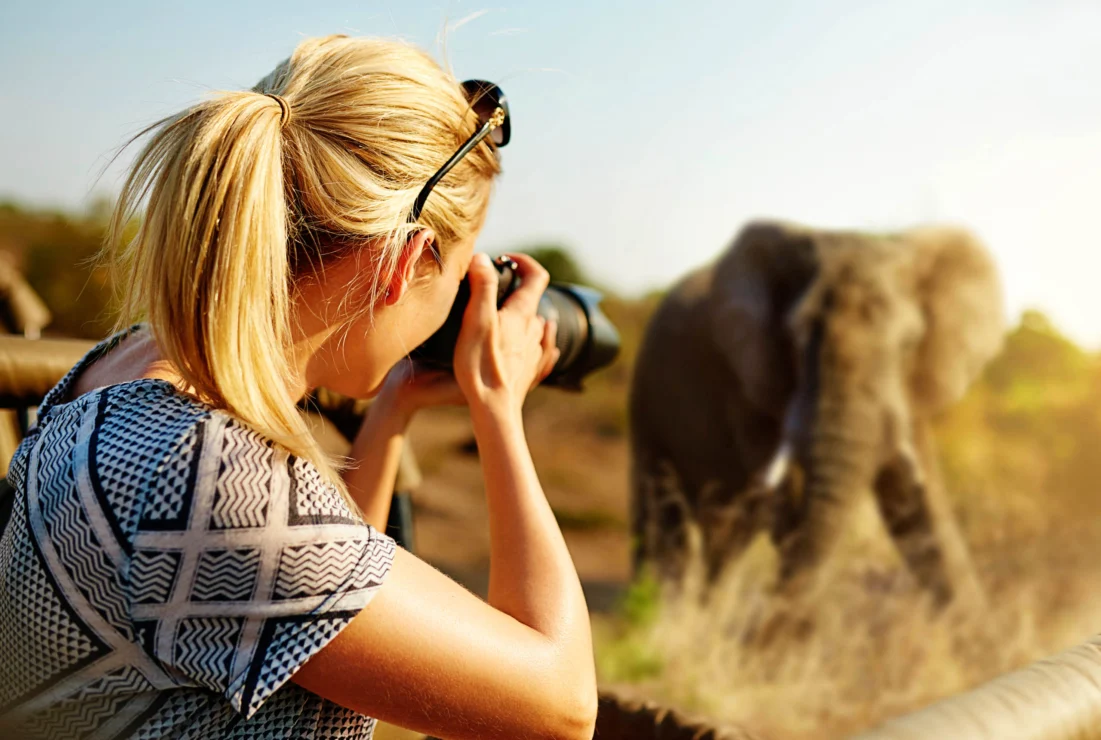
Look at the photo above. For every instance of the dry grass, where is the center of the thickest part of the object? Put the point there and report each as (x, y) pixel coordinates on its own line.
(868, 646)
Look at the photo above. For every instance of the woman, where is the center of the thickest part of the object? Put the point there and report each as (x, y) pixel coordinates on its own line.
(183, 560)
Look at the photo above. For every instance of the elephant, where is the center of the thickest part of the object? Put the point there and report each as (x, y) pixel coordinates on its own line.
(800, 369)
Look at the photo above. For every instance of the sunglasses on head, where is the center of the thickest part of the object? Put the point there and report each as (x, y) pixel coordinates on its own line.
(490, 104)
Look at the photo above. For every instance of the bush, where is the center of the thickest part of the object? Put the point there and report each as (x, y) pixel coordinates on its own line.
(558, 261)
(56, 253)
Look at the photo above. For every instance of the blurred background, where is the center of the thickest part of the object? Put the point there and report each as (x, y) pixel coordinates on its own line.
(644, 136)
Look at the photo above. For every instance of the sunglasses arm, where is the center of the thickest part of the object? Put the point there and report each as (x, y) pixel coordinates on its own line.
(469, 144)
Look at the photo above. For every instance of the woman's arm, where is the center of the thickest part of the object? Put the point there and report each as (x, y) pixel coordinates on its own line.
(531, 575)
(428, 655)
(377, 446)
(376, 451)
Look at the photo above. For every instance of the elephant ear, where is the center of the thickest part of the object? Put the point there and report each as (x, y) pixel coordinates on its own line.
(961, 299)
(765, 271)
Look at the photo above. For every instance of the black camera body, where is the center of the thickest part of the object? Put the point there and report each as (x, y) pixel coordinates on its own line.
(586, 338)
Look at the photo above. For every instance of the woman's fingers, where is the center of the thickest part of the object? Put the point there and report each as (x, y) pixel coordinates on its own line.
(508, 351)
(482, 308)
(533, 281)
(480, 329)
(549, 341)
(550, 352)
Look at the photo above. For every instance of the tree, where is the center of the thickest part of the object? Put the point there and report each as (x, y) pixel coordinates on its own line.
(56, 254)
(558, 261)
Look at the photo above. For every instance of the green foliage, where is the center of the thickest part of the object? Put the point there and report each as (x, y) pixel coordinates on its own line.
(558, 261)
(629, 659)
(1019, 451)
(625, 651)
(56, 253)
(642, 601)
(1039, 367)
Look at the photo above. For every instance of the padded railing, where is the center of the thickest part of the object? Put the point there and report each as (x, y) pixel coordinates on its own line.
(30, 368)
(1057, 698)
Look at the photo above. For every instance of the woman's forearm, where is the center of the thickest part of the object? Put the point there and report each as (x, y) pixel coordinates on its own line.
(376, 452)
(532, 577)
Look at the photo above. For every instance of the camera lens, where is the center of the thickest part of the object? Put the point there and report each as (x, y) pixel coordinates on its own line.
(586, 338)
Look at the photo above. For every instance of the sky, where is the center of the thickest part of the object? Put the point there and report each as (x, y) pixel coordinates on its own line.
(645, 134)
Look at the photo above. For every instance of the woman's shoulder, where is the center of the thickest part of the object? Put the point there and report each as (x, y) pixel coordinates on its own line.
(158, 460)
(135, 444)
(170, 448)
(147, 434)
(175, 451)
(231, 535)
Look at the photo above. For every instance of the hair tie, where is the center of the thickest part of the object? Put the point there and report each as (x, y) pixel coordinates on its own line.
(284, 109)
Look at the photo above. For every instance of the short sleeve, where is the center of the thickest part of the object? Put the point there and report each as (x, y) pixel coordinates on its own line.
(246, 563)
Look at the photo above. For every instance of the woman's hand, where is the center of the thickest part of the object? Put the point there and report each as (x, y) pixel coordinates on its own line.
(378, 444)
(501, 355)
(408, 388)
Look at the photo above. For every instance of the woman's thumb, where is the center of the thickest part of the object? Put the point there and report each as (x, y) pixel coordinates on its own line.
(483, 290)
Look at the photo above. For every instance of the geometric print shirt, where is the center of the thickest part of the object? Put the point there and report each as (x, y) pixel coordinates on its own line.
(166, 570)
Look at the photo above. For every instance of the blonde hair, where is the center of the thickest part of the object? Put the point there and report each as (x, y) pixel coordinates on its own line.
(246, 193)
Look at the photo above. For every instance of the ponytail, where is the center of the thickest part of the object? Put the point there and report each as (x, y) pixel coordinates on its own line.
(209, 264)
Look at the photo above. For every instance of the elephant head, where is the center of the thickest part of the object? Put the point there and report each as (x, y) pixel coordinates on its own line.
(851, 341)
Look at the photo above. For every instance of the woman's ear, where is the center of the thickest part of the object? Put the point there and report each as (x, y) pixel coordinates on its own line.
(418, 252)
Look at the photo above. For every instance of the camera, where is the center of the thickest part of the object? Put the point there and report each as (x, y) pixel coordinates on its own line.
(586, 338)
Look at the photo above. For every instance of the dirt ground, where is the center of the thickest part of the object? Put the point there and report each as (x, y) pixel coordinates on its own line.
(585, 481)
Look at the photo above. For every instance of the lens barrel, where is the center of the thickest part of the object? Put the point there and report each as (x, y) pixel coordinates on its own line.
(586, 338)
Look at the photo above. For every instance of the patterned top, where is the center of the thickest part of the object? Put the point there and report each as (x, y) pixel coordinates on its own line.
(166, 570)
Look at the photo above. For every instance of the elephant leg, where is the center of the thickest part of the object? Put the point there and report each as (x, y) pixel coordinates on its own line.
(955, 554)
(901, 497)
(660, 522)
(920, 519)
(918, 516)
(812, 517)
(814, 529)
(788, 517)
(728, 520)
(788, 510)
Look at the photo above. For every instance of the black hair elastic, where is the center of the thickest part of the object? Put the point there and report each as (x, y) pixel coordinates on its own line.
(284, 109)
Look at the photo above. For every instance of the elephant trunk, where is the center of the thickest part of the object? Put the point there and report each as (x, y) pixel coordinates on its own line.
(838, 456)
